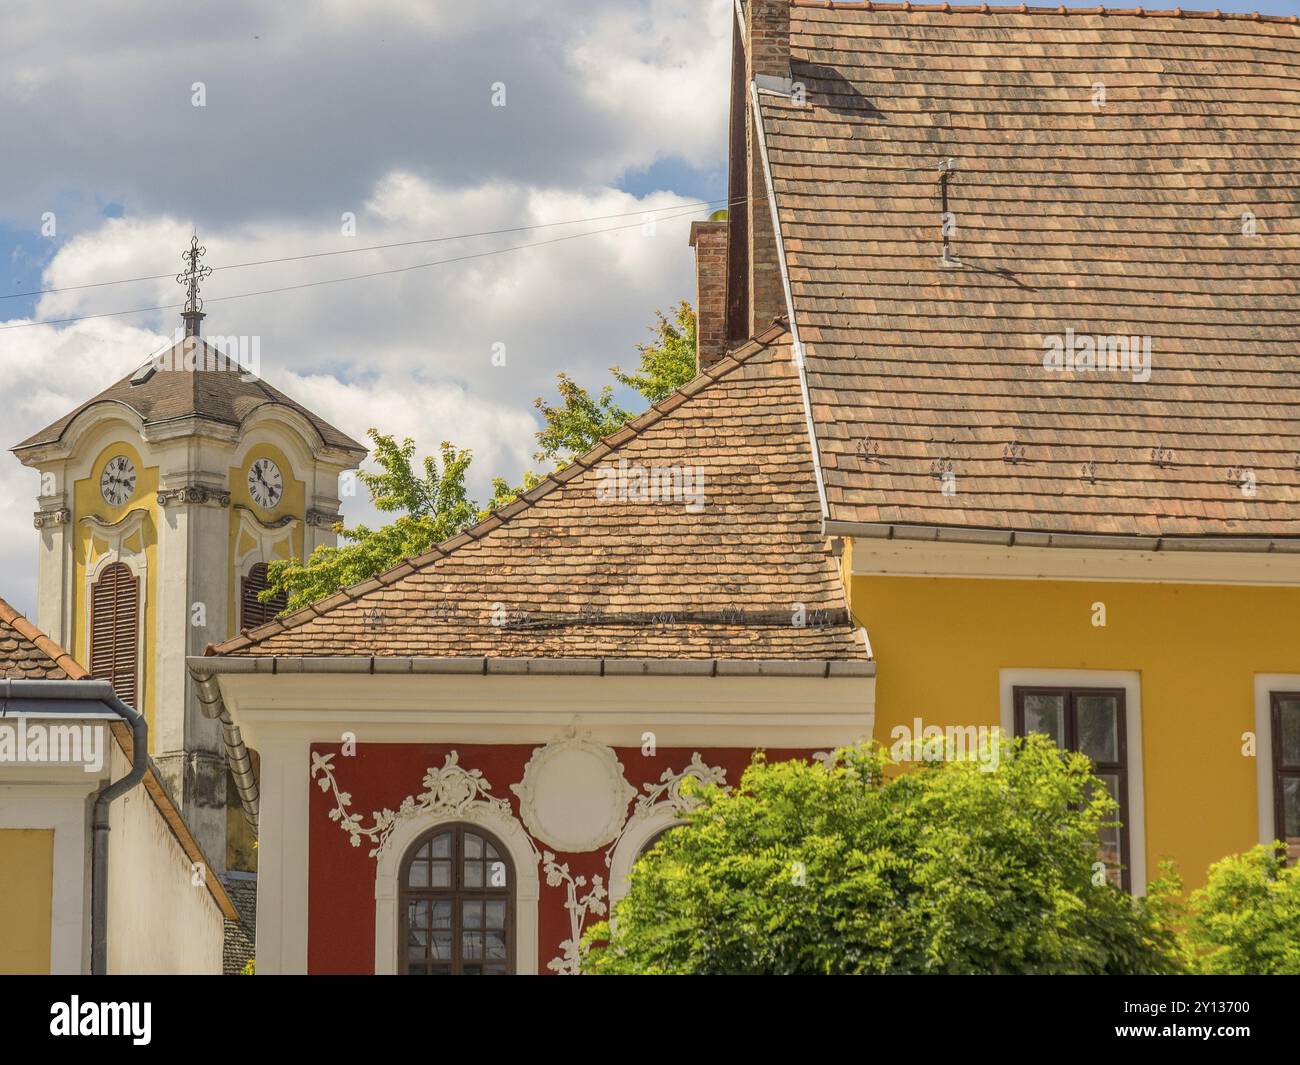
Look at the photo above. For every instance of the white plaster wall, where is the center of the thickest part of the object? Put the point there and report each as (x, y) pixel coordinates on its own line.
(159, 919)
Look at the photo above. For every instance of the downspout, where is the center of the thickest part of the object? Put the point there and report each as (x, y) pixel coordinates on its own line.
(99, 830)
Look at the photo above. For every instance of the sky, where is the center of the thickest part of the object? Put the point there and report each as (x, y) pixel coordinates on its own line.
(385, 111)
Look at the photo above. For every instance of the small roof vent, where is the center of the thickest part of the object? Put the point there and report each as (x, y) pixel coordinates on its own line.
(145, 372)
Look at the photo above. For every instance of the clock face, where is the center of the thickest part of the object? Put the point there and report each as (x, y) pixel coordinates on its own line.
(265, 484)
(117, 482)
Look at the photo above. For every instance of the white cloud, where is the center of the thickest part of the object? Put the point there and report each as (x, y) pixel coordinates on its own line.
(380, 108)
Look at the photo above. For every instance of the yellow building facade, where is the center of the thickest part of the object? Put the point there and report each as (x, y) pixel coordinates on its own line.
(1199, 642)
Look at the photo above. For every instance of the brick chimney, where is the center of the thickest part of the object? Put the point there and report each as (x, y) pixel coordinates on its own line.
(709, 239)
(755, 293)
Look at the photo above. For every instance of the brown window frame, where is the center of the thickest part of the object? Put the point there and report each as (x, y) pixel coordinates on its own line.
(457, 893)
(255, 581)
(1281, 771)
(1120, 769)
(103, 644)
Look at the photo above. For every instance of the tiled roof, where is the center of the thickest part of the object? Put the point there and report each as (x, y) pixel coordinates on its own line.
(26, 653)
(562, 573)
(1126, 215)
(219, 395)
(238, 946)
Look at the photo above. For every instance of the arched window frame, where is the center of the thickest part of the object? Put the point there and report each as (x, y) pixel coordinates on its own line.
(457, 892)
(639, 832)
(136, 561)
(391, 860)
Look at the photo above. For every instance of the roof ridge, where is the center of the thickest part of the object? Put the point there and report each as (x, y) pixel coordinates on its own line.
(53, 651)
(629, 431)
(1025, 9)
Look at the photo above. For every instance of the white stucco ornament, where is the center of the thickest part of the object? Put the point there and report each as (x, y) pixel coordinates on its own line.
(573, 795)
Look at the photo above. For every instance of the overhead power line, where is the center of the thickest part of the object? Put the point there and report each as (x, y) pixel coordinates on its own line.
(373, 247)
(682, 211)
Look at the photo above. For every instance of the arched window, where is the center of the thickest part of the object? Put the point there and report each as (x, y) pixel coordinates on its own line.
(115, 630)
(252, 611)
(458, 904)
(649, 844)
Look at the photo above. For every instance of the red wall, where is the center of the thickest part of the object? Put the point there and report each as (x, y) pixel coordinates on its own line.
(341, 891)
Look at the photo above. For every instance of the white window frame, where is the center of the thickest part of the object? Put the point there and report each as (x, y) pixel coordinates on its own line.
(639, 831)
(388, 951)
(1131, 682)
(1265, 685)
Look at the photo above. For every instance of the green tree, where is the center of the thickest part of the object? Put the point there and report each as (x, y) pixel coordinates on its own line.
(578, 421)
(1246, 919)
(852, 867)
(433, 508)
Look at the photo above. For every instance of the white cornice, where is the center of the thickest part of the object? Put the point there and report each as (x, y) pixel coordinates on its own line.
(1075, 559)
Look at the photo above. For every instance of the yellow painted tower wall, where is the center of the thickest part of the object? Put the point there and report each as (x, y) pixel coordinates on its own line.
(88, 547)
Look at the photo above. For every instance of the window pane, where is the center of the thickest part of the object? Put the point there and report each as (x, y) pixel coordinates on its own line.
(498, 875)
(471, 945)
(1046, 713)
(473, 874)
(440, 874)
(1097, 720)
(419, 874)
(440, 846)
(472, 915)
(1289, 712)
(440, 946)
(496, 915)
(496, 946)
(1291, 816)
(1110, 851)
(473, 845)
(441, 914)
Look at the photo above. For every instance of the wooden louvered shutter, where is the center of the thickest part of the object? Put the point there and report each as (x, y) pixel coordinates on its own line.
(115, 630)
(253, 612)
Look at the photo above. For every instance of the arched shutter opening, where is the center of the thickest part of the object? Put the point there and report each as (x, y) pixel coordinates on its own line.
(253, 612)
(115, 630)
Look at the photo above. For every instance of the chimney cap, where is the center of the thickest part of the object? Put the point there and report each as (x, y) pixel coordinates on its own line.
(713, 225)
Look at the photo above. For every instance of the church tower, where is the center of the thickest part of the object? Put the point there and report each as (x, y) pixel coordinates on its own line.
(162, 500)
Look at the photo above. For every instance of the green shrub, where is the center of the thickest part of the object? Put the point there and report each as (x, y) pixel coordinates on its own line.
(849, 867)
(1247, 917)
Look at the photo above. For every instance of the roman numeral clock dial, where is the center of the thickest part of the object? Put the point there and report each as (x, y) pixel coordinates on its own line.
(265, 484)
(117, 482)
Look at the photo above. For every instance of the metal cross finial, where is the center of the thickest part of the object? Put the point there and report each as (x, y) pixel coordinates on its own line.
(190, 277)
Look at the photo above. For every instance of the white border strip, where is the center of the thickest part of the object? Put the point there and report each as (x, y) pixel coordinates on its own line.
(1265, 685)
(789, 301)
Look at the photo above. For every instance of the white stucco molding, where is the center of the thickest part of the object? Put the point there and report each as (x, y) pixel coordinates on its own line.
(639, 832)
(527, 886)
(574, 794)
(1131, 683)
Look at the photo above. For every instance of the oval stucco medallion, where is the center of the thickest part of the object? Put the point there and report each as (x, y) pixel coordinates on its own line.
(573, 795)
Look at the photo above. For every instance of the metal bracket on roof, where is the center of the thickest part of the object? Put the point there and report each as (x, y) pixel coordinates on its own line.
(770, 83)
